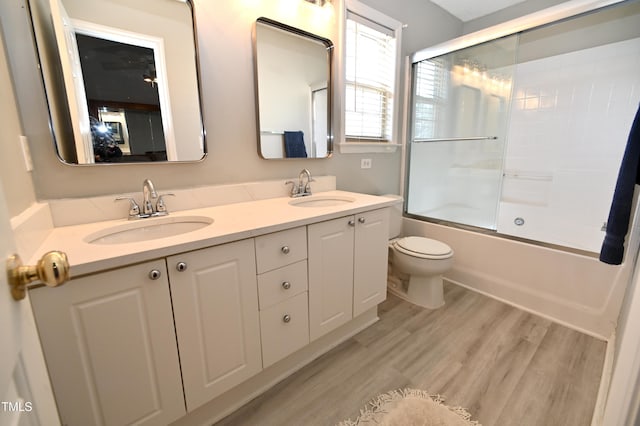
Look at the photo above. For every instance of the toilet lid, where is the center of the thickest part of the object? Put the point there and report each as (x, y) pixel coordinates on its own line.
(424, 247)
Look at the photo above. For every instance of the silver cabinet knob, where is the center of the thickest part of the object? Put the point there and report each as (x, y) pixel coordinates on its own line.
(361, 220)
(154, 274)
(181, 266)
(286, 285)
(286, 318)
(285, 249)
(352, 222)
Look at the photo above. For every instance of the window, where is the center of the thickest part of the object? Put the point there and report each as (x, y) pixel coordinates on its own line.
(370, 75)
(430, 83)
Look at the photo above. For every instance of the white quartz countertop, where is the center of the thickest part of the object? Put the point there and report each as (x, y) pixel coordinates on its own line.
(231, 222)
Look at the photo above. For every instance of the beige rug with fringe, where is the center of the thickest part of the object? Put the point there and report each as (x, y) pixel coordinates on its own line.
(410, 407)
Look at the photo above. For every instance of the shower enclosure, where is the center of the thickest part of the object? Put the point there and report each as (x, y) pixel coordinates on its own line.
(523, 135)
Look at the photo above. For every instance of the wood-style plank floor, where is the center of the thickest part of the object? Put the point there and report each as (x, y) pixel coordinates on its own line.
(505, 366)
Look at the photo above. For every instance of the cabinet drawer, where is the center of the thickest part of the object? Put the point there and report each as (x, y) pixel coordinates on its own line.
(280, 249)
(284, 328)
(282, 283)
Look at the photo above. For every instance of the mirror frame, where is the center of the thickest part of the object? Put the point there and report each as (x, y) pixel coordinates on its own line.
(58, 84)
(330, 49)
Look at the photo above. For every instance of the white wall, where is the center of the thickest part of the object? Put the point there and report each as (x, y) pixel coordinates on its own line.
(17, 183)
(519, 9)
(224, 37)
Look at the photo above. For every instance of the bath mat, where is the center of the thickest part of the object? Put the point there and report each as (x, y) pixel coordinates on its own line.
(410, 407)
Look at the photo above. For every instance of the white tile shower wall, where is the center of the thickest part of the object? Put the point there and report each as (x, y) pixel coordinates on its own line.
(570, 120)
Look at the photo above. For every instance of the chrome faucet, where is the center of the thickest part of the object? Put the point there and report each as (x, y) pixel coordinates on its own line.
(302, 189)
(148, 191)
(148, 209)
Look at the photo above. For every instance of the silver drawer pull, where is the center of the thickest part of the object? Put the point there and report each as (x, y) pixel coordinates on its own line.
(285, 249)
(352, 223)
(286, 285)
(181, 266)
(286, 318)
(154, 274)
(361, 219)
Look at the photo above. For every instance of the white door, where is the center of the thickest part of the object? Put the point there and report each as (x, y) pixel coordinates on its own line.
(25, 390)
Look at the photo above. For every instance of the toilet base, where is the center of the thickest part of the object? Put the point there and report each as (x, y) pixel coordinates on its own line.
(426, 292)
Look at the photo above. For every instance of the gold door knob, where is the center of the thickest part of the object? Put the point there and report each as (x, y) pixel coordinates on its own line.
(52, 269)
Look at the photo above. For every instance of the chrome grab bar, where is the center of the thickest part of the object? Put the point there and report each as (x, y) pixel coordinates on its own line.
(472, 138)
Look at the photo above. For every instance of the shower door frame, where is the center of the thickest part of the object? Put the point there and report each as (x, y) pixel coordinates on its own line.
(549, 16)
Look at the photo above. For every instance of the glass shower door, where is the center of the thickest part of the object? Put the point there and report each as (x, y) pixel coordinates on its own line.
(460, 107)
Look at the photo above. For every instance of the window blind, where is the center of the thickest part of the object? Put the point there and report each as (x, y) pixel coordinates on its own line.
(370, 80)
(430, 85)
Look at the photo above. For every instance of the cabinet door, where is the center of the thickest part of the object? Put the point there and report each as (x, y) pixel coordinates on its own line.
(215, 302)
(370, 260)
(110, 347)
(330, 274)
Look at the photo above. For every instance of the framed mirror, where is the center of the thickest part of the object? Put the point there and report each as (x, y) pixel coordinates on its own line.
(121, 79)
(293, 89)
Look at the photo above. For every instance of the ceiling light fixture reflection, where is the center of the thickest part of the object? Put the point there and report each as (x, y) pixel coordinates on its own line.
(319, 2)
(150, 78)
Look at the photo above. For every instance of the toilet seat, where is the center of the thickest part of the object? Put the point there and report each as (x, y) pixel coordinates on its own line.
(424, 248)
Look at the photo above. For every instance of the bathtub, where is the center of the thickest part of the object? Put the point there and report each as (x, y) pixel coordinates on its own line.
(575, 290)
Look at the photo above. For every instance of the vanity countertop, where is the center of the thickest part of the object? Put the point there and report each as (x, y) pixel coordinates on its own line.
(231, 222)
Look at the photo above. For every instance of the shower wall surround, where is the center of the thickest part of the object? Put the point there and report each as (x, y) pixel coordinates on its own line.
(570, 118)
(573, 95)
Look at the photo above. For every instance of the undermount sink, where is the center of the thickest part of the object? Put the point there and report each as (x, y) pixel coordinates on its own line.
(148, 229)
(321, 201)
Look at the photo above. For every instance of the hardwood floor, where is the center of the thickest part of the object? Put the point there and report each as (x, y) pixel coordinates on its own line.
(506, 366)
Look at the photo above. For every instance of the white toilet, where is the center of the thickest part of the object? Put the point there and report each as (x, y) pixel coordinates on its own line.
(421, 260)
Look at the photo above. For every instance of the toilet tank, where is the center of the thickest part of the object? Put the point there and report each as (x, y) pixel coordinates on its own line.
(395, 218)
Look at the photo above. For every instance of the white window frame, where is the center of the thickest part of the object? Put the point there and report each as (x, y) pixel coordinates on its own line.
(345, 146)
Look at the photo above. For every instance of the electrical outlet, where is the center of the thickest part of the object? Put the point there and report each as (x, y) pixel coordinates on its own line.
(365, 163)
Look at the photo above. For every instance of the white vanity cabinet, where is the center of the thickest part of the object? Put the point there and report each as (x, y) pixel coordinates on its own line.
(215, 304)
(347, 268)
(209, 328)
(110, 347)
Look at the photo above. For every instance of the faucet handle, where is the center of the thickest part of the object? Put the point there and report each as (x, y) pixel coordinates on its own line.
(161, 207)
(134, 208)
(307, 187)
(294, 188)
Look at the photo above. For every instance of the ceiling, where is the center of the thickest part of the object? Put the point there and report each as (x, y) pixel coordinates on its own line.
(466, 10)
